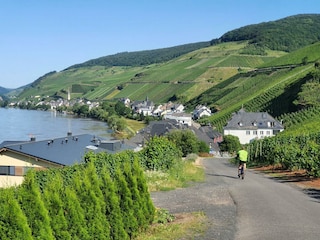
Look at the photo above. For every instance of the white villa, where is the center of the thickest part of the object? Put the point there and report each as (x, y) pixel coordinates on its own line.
(248, 126)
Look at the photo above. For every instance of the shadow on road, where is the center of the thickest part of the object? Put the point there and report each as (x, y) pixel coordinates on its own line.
(312, 192)
(221, 175)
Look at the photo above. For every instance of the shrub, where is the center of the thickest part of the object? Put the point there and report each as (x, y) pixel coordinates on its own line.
(159, 154)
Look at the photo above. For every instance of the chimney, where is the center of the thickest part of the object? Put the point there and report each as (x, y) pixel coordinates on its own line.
(69, 134)
(33, 139)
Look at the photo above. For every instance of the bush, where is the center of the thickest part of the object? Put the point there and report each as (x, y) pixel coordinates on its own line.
(159, 154)
(230, 144)
(186, 141)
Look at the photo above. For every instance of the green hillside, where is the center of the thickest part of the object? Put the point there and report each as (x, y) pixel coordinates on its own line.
(142, 58)
(239, 69)
(274, 89)
(308, 53)
(182, 72)
(186, 77)
(287, 34)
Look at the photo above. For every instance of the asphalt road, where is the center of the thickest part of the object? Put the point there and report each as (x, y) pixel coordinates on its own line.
(256, 208)
(267, 208)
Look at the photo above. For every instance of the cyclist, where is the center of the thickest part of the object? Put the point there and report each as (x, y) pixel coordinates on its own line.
(243, 158)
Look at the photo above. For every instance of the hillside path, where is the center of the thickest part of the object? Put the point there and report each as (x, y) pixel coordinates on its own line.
(257, 207)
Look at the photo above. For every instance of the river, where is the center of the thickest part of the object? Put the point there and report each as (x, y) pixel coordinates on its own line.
(21, 125)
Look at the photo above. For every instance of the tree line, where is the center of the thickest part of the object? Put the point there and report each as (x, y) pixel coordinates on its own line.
(141, 58)
(287, 34)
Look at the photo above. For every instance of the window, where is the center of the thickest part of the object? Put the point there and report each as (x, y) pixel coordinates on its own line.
(7, 170)
(255, 132)
(268, 132)
(261, 132)
(14, 170)
(247, 132)
(275, 132)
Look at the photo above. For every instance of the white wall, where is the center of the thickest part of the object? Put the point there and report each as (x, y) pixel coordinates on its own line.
(245, 138)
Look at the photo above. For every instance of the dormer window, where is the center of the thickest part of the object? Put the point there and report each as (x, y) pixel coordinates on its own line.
(240, 124)
(271, 124)
(254, 123)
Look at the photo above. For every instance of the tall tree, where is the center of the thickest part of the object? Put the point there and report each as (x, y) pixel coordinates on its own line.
(75, 215)
(146, 201)
(135, 195)
(52, 196)
(113, 212)
(126, 204)
(13, 222)
(91, 199)
(34, 208)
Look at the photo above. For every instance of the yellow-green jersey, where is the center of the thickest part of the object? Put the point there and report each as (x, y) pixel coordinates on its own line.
(243, 155)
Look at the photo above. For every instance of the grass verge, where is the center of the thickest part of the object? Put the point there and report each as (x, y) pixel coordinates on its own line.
(181, 225)
(184, 226)
(181, 175)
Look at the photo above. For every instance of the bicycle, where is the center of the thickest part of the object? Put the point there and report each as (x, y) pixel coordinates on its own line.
(241, 169)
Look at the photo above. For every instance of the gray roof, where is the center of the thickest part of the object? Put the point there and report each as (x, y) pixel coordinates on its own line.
(161, 128)
(65, 151)
(252, 121)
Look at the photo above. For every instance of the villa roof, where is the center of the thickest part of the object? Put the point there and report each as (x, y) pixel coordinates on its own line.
(64, 151)
(252, 120)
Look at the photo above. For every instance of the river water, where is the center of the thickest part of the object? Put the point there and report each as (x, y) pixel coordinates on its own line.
(21, 125)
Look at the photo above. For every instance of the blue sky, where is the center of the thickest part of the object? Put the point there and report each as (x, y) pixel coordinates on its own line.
(37, 37)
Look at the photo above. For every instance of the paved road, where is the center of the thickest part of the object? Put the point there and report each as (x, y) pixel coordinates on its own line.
(269, 209)
(256, 208)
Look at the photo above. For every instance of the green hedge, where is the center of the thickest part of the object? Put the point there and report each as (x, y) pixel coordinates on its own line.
(106, 197)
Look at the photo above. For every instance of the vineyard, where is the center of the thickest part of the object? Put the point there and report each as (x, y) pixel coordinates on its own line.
(161, 92)
(199, 70)
(301, 122)
(290, 152)
(273, 92)
(296, 57)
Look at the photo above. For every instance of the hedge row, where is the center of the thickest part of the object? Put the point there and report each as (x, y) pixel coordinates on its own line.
(104, 198)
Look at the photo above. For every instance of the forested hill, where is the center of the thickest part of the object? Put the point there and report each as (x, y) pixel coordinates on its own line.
(141, 58)
(287, 34)
(4, 90)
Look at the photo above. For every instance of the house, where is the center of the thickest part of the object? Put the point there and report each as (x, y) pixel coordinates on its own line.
(174, 107)
(126, 101)
(144, 107)
(167, 108)
(248, 126)
(181, 117)
(201, 111)
(163, 127)
(155, 128)
(17, 157)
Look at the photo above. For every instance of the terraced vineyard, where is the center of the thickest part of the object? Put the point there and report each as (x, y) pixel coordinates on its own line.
(257, 92)
(188, 75)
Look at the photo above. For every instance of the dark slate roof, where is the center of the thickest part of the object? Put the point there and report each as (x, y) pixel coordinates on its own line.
(161, 128)
(155, 128)
(67, 150)
(4, 143)
(252, 121)
(210, 132)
